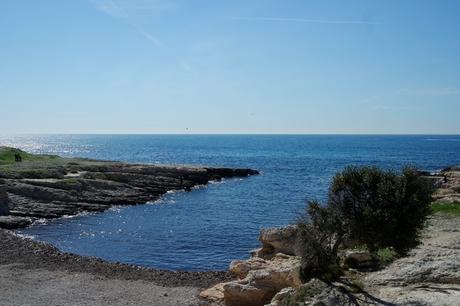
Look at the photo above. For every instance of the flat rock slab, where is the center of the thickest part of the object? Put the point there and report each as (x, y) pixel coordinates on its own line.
(430, 275)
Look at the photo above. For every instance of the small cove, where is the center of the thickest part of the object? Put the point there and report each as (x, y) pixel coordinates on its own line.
(206, 228)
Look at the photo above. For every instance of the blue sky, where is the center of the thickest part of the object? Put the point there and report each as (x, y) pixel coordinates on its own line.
(186, 66)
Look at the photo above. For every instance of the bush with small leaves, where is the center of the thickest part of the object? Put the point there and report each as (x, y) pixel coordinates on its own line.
(368, 206)
(381, 208)
(320, 234)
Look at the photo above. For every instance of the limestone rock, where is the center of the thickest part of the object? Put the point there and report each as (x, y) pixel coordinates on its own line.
(450, 185)
(262, 279)
(259, 280)
(241, 268)
(430, 275)
(315, 292)
(245, 294)
(278, 240)
(214, 294)
(436, 261)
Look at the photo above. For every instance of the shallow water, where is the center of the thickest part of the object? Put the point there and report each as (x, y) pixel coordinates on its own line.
(206, 228)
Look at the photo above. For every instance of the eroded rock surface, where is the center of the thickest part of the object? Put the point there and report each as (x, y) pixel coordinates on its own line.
(315, 292)
(277, 240)
(258, 281)
(433, 267)
(449, 185)
(262, 281)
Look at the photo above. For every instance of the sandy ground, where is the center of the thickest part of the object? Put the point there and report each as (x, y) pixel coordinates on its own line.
(34, 273)
(49, 288)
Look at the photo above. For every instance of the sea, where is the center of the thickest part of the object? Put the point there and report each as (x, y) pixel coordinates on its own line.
(208, 227)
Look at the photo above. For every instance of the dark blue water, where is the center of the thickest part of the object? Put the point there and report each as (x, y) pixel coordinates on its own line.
(208, 227)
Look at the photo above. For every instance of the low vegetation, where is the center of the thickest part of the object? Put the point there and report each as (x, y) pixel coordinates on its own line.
(7, 156)
(380, 209)
(39, 166)
(386, 255)
(452, 208)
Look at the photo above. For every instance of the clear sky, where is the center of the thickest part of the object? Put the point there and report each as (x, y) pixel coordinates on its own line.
(241, 66)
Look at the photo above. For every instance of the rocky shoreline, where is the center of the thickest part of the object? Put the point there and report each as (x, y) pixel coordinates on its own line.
(47, 186)
(429, 275)
(37, 273)
(30, 254)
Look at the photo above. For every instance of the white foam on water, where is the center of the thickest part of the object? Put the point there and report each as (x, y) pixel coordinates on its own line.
(24, 236)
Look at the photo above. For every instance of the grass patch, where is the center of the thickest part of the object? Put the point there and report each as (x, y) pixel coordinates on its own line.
(446, 208)
(386, 255)
(71, 182)
(7, 156)
(40, 165)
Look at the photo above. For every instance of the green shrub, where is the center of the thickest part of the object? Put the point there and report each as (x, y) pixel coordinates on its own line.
(381, 208)
(320, 234)
(386, 255)
(70, 182)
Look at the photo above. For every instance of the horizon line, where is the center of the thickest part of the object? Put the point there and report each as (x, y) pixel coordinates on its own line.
(240, 134)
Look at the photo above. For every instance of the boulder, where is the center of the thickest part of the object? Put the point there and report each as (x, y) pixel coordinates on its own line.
(241, 268)
(214, 294)
(245, 294)
(262, 279)
(4, 202)
(259, 280)
(271, 268)
(278, 240)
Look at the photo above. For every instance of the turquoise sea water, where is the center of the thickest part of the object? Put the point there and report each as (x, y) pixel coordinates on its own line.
(207, 228)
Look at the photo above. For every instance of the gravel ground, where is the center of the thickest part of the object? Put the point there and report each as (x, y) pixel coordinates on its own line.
(35, 273)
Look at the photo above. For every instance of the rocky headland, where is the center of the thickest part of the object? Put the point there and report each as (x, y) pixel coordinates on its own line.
(45, 186)
(36, 187)
(48, 186)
